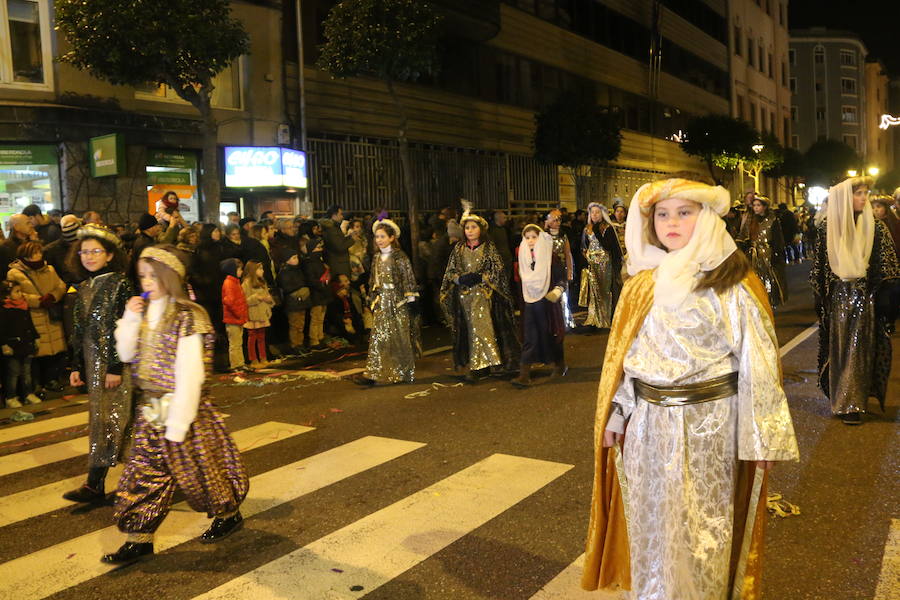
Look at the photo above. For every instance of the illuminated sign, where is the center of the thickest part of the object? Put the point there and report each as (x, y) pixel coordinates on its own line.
(254, 167)
(888, 121)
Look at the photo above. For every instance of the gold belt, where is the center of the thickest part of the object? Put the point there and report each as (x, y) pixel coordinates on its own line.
(692, 393)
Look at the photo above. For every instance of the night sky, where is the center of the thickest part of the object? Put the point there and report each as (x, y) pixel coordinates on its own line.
(877, 22)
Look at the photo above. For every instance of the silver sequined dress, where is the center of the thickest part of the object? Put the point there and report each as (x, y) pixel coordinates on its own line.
(596, 284)
(681, 462)
(100, 302)
(394, 342)
(765, 249)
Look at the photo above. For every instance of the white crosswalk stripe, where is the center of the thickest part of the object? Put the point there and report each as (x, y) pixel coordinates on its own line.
(567, 586)
(27, 430)
(370, 552)
(45, 455)
(47, 498)
(53, 569)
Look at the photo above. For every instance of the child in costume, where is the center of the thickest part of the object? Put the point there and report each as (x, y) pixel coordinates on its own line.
(259, 311)
(854, 269)
(98, 260)
(563, 250)
(765, 245)
(180, 439)
(543, 278)
(477, 303)
(600, 281)
(18, 340)
(394, 341)
(691, 412)
(235, 312)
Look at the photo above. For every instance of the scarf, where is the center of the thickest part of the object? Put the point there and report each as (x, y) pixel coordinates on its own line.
(536, 279)
(709, 246)
(849, 239)
(20, 304)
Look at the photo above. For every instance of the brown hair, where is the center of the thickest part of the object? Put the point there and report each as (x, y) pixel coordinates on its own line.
(250, 274)
(256, 232)
(170, 281)
(29, 248)
(730, 273)
(73, 260)
(390, 232)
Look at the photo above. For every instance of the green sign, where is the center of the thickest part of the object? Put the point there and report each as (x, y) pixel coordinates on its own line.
(172, 159)
(107, 155)
(168, 178)
(28, 155)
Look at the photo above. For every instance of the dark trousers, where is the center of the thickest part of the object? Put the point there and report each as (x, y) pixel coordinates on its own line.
(17, 380)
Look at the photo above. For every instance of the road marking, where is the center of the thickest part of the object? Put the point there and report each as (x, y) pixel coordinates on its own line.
(18, 432)
(567, 586)
(45, 455)
(889, 579)
(797, 340)
(47, 498)
(53, 569)
(366, 554)
(359, 370)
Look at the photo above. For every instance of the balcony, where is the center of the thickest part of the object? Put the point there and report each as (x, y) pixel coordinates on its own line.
(477, 20)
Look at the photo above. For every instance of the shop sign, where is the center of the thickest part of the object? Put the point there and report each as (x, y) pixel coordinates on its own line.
(107, 155)
(171, 159)
(252, 167)
(28, 155)
(168, 178)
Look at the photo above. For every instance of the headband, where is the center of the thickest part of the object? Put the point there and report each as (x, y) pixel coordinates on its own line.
(165, 257)
(388, 223)
(102, 232)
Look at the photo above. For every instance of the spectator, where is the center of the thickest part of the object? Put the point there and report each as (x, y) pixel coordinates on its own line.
(791, 231)
(344, 313)
(207, 277)
(284, 242)
(234, 312)
(233, 218)
(437, 264)
(21, 230)
(317, 276)
(296, 303)
(232, 244)
(43, 291)
(246, 224)
(149, 230)
(92, 217)
(256, 247)
(499, 234)
(56, 253)
(881, 208)
(47, 230)
(358, 253)
(259, 311)
(337, 242)
(17, 338)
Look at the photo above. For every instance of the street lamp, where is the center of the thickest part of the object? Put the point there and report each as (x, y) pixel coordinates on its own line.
(873, 171)
(851, 172)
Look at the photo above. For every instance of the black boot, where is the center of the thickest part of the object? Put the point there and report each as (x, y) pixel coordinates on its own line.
(93, 491)
(363, 381)
(222, 528)
(130, 552)
(524, 378)
(852, 418)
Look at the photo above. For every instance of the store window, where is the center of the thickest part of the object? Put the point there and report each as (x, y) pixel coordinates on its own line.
(24, 43)
(226, 89)
(28, 175)
(173, 171)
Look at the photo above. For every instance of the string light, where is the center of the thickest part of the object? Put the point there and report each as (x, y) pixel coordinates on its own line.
(888, 121)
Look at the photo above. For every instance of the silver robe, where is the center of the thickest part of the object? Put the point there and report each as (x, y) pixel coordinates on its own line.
(764, 243)
(681, 462)
(394, 342)
(100, 302)
(596, 284)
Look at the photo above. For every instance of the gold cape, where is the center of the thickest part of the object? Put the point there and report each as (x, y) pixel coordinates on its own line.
(607, 561)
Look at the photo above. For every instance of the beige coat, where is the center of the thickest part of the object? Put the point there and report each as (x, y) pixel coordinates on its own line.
(52, 339)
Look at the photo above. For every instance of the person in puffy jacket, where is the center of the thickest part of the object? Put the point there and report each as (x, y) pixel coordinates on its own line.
(234, 312)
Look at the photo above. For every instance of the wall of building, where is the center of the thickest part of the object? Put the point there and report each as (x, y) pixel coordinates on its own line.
(879, 142)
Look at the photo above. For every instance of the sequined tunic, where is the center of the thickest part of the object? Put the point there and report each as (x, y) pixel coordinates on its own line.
(394, 342)
(680, 462)
(764, 244)
(596, 283)
(99, 303)
(563, 252)
(854, 343)
(484, 333)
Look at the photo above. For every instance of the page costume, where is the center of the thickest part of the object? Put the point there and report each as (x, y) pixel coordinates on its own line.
(679, 513)
(854, 265)
(600, 281)
(563, 252)
(541, 272)
(765, 249)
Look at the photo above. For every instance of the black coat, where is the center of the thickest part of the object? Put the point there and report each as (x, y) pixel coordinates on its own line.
(253, 249)
(337, 248)
(18, 331)
(291, 279)
(313, 269)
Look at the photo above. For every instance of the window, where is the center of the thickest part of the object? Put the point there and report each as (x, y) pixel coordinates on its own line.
(792, 57)
(787, 128)
(848, 58)
(740, 107)
(24, 43)
(794, 114)
(738, 42)
(227, 92)
(751, 52)
(820, 114)
(849, 114)
(850, 140)
(762, 56)
(818, 86)
(795, 141)
(848, 85)
(792, 84)
(771, 70)
(772, 122)
(753, 117)
(781, 13)
(819, 55)
(784, 77)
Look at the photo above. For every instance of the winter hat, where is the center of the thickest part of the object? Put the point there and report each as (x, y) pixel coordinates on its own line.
(230, 266)
(32, 210)
(69, 225)
(246, 220)
(147, 221)
(313, 243)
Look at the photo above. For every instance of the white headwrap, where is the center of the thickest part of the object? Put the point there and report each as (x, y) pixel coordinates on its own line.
(535, 282)
(709, 246)
(849, 240)
(604, 212)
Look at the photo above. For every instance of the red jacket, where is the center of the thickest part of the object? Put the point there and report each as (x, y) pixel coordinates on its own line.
(234, 304)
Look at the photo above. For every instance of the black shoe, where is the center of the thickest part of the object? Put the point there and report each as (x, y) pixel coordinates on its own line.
(852, 419)
(364, 381)
(222, 528)
(85, 494)
(129, 553)
(559, 372)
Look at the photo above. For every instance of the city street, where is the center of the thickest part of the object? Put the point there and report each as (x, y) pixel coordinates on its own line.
(438, 490)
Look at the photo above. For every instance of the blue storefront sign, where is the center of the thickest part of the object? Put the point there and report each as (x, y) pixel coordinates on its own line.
(258, 167)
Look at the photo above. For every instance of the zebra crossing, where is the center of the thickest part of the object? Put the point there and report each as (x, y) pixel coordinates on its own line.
(347, 563)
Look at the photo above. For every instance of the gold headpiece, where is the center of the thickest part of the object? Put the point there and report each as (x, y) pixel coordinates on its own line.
(165, 257)
(468, 215)
(93, 230)
(388, 223)
(715, 196)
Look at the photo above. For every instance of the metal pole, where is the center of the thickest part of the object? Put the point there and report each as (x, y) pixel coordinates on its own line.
(300, 64)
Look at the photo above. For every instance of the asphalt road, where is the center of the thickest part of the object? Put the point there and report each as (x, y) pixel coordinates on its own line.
(433, 490)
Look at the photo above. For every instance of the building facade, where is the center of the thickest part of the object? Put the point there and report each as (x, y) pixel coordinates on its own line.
(879, 142)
